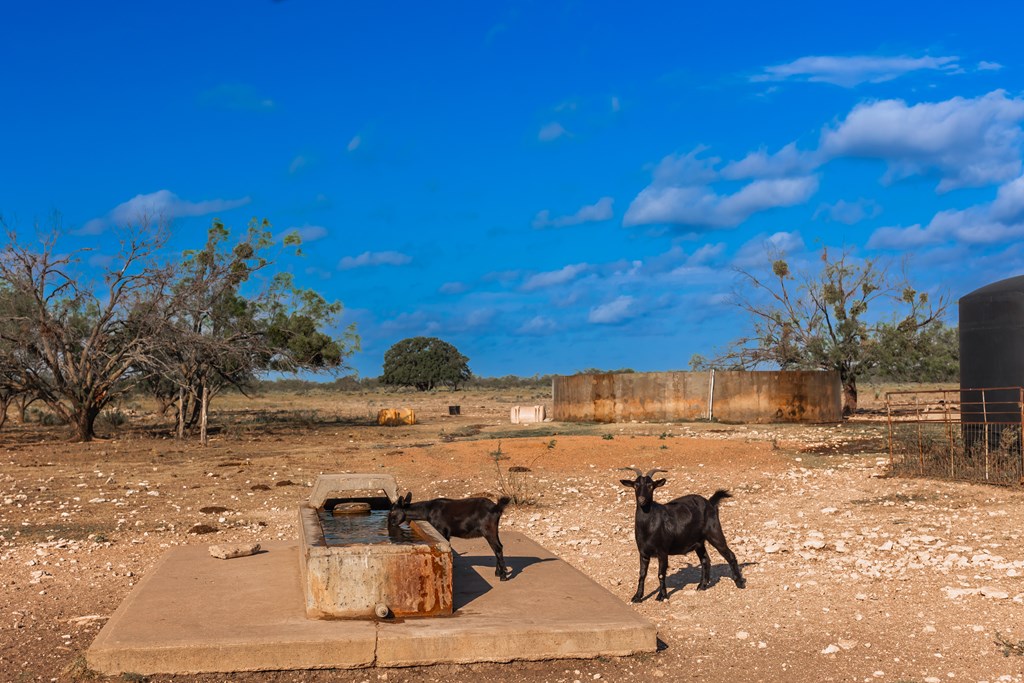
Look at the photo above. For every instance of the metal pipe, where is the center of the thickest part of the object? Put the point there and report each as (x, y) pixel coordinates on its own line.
(711, 396)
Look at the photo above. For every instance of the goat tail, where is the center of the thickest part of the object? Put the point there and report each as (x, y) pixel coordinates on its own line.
(502, 502)
(718, 495)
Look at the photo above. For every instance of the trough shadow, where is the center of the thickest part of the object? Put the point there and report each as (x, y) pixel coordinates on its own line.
(470, 585)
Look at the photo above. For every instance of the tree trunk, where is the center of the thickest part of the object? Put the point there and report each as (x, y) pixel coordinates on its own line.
(5, 401)
(203, 415)
(849, 396)
(181, 413)
(84, 419)
(24, 401)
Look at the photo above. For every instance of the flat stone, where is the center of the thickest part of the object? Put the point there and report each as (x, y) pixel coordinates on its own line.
(227, 551)
(194, 614)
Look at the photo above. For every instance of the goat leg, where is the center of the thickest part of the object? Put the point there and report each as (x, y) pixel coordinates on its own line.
(705, 567)
(730, 557)
(662, 572)
(718, 540)
(500, 569)
(645, 560)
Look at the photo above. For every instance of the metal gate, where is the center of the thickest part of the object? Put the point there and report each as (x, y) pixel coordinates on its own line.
(963, 434)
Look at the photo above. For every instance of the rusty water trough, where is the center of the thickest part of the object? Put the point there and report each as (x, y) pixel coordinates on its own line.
(364, 570)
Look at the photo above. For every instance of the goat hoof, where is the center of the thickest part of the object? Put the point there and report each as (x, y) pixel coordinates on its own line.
(637, 598)
(703, 586)
(661, 598)
(503, 577)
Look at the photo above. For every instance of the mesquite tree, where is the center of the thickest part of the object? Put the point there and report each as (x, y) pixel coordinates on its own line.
(820, 321)
(225, 327)
(73, 335)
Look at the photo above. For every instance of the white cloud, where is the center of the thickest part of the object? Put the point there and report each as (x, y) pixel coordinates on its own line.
(754, 253)
(553, 277)
(852, 71)
(615, 311)
(699, 206)
(157, 207)
(616, 105)
(297, 163)
(374, 258)
(989, 66)
(538, 325)
(308, 233)
(788, 161)
(849, 212)
(1001, 220)
(599, 211)
(551, 131)
(706, 254)
(453, 288)
(686, 169)
(968, 142)
(354, 143)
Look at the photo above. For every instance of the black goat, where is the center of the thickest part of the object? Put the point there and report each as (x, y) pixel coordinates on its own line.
(676, 528)
(463, 518)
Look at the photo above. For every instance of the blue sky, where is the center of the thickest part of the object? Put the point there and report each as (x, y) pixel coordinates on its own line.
(550, 186)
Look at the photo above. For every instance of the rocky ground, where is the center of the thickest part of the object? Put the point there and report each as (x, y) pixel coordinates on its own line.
(852, 575)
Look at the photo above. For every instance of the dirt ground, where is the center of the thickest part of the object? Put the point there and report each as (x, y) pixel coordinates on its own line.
(852, 575)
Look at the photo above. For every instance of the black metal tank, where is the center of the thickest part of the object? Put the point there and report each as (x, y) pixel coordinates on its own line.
(992, 350)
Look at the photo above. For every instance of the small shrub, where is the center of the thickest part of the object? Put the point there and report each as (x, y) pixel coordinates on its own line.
(551, 445)
(514, 481)
(113, 418)
(608, 437)
(1009, 647)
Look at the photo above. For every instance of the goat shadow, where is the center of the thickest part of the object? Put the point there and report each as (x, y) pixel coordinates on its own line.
(682, 577)
(470, 584)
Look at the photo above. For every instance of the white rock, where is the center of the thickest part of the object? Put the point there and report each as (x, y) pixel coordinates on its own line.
(830, 650)
(742, 635)
(993, 593)
(228, 551)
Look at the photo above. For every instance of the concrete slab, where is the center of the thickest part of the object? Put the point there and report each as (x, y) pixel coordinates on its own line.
(193, 613)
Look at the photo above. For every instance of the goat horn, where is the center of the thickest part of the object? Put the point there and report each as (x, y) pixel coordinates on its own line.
(654, 471)
(635, 469)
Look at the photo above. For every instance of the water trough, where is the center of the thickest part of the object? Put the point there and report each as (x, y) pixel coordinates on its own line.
(353, 566)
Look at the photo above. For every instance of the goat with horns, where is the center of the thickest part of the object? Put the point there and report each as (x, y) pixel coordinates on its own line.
(676, 528)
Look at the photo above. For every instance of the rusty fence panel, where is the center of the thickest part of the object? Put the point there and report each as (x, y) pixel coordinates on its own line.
(962, 434)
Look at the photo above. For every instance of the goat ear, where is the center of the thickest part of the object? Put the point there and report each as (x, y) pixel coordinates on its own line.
(628, 482)
(408, 497)
(659, 482)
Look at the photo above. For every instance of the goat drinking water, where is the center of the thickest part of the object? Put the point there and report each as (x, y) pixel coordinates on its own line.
(676, 528)
(463, 518)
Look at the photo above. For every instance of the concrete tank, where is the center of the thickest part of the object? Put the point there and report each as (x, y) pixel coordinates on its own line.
(366, 577)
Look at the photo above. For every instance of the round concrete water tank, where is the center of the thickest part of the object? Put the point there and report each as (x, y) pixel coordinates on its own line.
(992, 348)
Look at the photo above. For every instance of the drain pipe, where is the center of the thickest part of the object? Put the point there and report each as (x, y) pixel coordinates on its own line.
(711, 396)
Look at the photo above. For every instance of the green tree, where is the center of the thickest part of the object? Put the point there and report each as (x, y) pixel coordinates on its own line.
(932, 355)
(820, 320)
(424, 363)
(220, 333)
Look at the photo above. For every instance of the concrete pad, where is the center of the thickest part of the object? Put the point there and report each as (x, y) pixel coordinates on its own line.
(193, 613)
